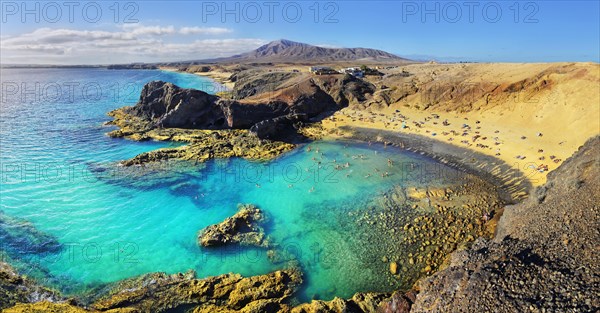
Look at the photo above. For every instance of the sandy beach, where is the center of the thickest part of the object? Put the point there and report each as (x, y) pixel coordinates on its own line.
(533, 132)
(219, 76)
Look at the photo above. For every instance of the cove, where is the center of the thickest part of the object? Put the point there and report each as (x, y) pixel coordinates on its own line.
(321, 199)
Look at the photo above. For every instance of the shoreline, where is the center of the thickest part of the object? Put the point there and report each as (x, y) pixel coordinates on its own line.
(222, 78)
(486, 167)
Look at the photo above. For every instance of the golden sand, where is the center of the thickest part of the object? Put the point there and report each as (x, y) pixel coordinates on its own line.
(534, 129)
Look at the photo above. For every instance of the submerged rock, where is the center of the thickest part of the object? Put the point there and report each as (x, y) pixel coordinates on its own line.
(242, 228)
(18, 237)
(394, 268)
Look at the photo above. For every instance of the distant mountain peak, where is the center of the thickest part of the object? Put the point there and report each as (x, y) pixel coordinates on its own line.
(285, 42)
(284, 50)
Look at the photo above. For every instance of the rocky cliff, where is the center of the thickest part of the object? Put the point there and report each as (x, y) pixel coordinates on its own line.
(544, 258)
(271, 105)
(169, 106)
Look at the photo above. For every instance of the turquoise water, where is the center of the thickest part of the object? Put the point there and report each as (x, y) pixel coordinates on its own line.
(60, 172)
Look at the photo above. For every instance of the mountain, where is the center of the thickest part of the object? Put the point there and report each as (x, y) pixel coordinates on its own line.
(287, 51)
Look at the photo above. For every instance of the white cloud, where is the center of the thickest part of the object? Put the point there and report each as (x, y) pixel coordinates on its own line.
(141, 30)
(204, 30)
(130, 43)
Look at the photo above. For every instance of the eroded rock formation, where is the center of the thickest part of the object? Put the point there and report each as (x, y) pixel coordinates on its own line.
(170, 106)
(159, 292)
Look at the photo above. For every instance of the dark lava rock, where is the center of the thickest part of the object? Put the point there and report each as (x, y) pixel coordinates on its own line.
(281, 128)
(171, 106)
(252, 82)
(345, 90)
(243, 116)
(168, 106)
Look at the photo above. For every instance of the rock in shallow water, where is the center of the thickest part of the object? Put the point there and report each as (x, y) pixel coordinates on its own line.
(242, 228)
(394, 268)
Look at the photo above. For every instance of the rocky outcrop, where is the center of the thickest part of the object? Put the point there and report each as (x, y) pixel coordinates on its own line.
(167, 105)
(398, 302)
(201, 145)
(280, 128)
(544, 256)
(252, 82)
(273, 104)
(244, 116)
(359, 303)
(184, 293)
(345, 89)
(159, 292)
(164, 105)
(242, 228)
(15, 288)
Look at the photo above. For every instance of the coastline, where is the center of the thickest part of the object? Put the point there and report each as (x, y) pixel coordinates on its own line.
(222, 78)
(513, 184)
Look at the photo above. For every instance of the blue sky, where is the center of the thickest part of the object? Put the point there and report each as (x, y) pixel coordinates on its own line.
(150, 31)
